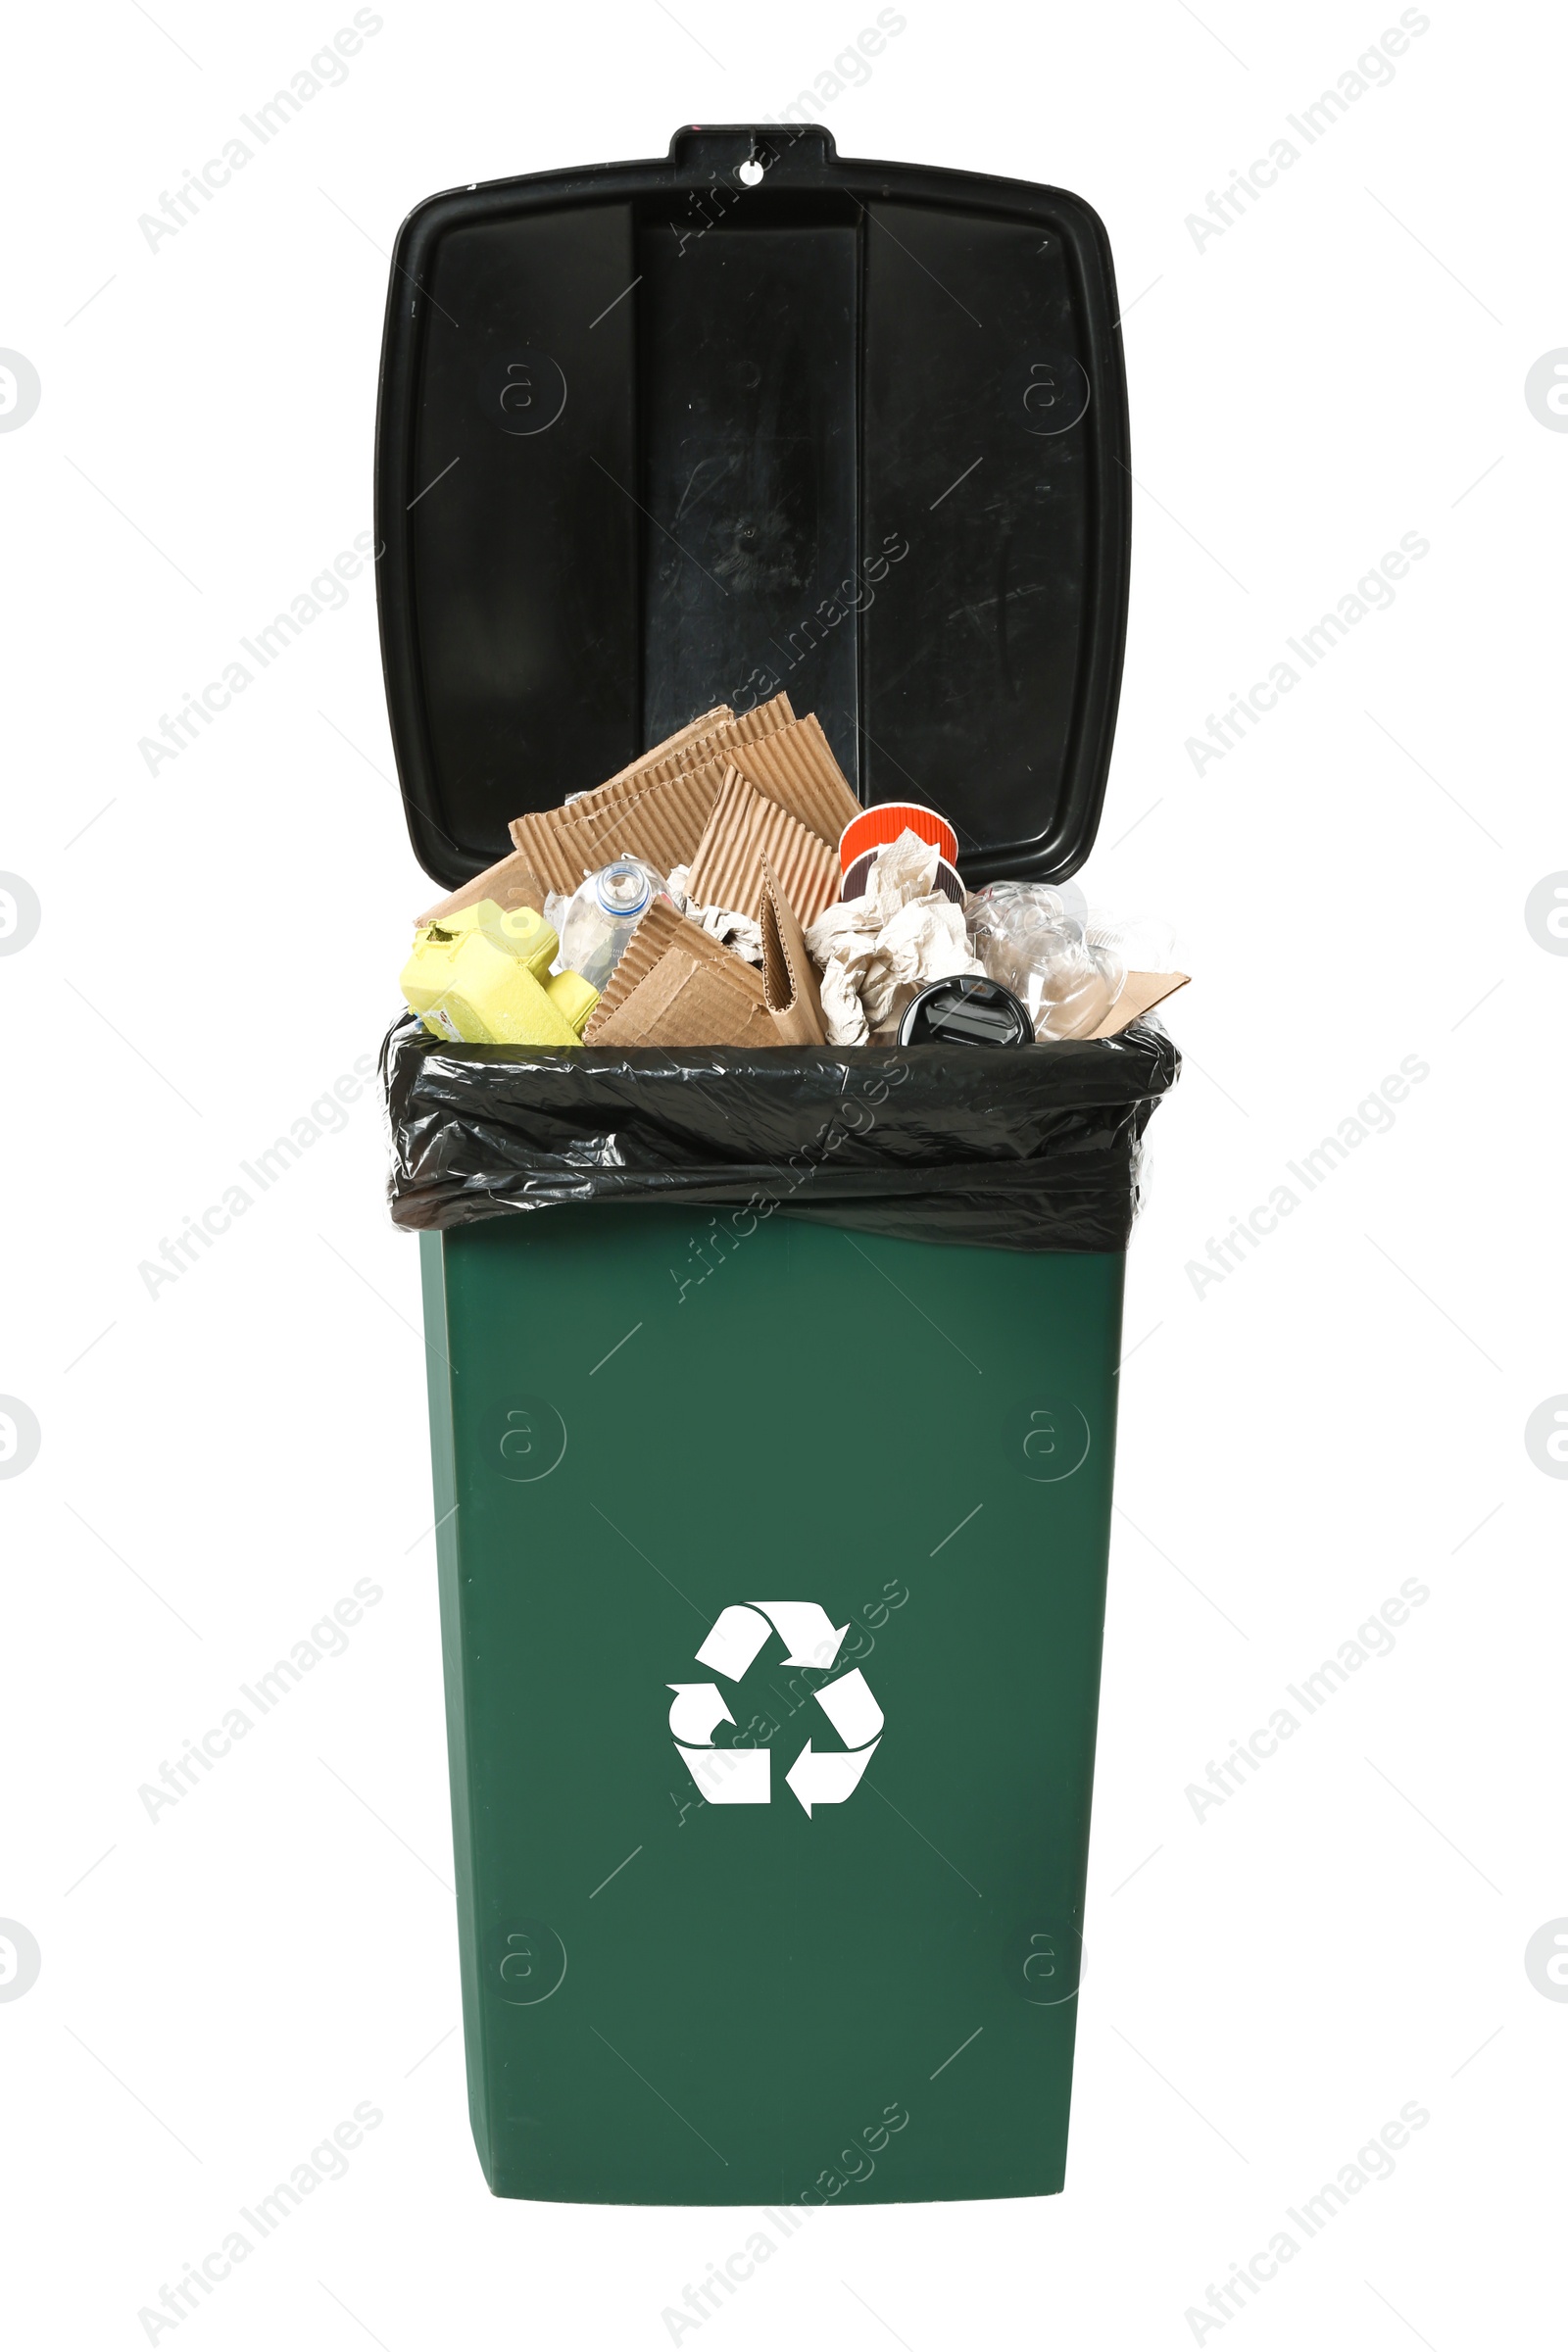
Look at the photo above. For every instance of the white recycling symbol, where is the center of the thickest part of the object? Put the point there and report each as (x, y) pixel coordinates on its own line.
(742, 1776)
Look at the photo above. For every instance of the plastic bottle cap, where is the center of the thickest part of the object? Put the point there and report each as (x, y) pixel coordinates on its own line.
(623, 890)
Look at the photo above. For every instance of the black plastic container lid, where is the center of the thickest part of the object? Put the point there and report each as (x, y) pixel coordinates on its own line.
(658, 435)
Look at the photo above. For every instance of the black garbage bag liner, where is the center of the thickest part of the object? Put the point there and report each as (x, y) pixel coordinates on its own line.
(1023, 1147)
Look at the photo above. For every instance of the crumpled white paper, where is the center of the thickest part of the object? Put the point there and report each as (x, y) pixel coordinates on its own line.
(738, 931)
(843, 1014)
(878, 952)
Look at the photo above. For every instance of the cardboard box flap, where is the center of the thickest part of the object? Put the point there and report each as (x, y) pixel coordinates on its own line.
(655, 811)
(787, 760)
(706, 738)
(512, 882)
(795, 766)
(687, 1001)
(703, 724)
(661, 822)
(743, 829)
(660, 930)
(1140, 992)
(789, 976)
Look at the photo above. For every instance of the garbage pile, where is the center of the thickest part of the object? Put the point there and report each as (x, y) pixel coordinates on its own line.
(727, 888)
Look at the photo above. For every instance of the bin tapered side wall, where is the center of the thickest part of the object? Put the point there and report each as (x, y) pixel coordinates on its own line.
(645, 1416)
(443, 1467)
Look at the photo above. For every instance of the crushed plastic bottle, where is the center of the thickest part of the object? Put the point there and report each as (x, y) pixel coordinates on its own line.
(602, 913)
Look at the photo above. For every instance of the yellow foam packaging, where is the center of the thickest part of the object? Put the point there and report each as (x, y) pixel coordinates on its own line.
(483, 977)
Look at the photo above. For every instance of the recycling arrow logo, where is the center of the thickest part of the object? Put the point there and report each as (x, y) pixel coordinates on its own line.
(742, 1776)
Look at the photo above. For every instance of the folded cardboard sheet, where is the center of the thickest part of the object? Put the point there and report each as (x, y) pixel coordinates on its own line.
(703, 724)
(705, 738)
(512, 882)
(789, 976)
(661, 933)
(795, 766)
(657, 811)
(1140, 992)
(744, 829)
(688, 1001)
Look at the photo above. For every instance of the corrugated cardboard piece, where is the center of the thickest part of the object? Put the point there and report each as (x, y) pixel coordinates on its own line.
(791, 766)
(716, 732)
(662, 932)
(795, 766)
(789, 977)
(703, 724)
(512, 882)
(657, 811)
(689, 1002)
(1140, 992)
(661, 822)
(743, 830)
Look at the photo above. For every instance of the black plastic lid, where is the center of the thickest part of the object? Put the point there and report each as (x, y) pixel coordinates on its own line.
(658, 435)
(967, 1012)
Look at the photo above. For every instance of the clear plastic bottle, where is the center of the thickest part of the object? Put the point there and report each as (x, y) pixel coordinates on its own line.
(602, 913)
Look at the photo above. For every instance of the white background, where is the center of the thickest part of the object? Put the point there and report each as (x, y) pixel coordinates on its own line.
(1345, 1410)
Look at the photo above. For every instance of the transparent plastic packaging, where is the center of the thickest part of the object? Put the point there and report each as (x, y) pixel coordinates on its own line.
(602, 914)
(1068, 969)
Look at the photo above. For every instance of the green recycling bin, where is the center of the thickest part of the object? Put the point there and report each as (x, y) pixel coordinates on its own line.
(772, 1510)
(841, 1955)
